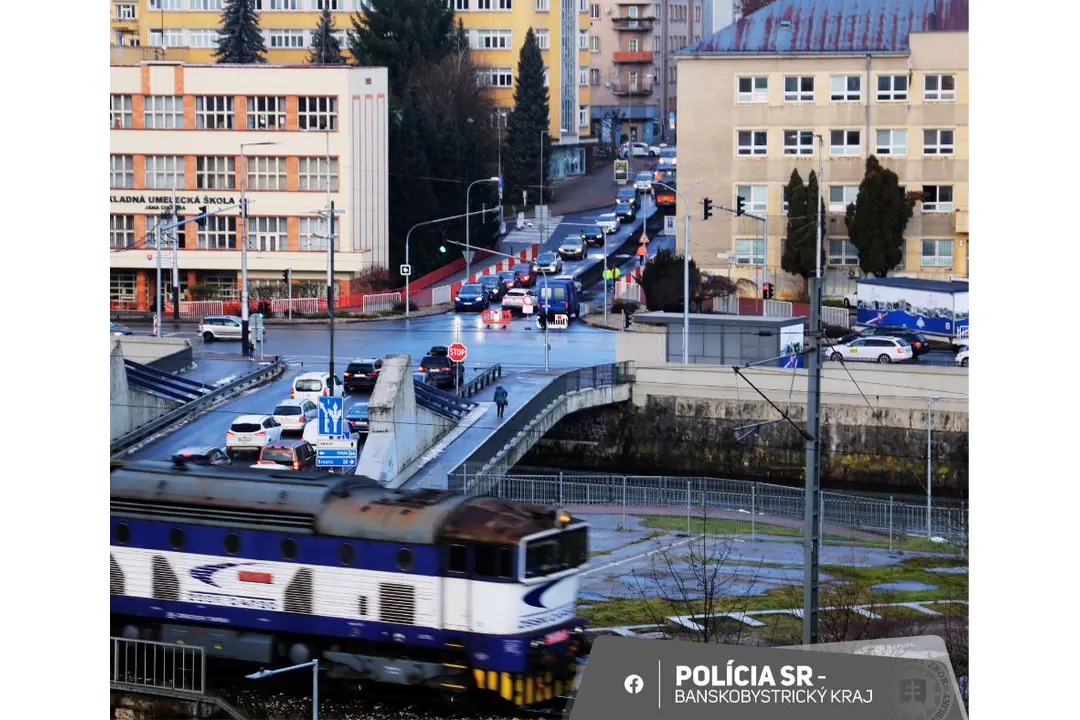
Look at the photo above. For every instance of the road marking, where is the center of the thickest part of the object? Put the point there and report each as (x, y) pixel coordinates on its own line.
(640, 555)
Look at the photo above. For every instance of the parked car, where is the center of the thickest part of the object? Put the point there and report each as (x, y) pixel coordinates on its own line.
(609, 223)
(515, 299)
(637, 149)
(509, 278)
(627, 195)
(625, 211)
(593, 236)
(874, 349)
(252, 432)
(471, 297)
(202, 455)
(493, 286)
(288, 455)
(294, 415)
(119, 329)
(525, 274)
(919, 343)
(573, 247)
(549, 262)
(220, 327)
(358, 418)
(962, 356)
(851, 300)
(643, 182)
(313, 385)
(442, 370)
(362, 374)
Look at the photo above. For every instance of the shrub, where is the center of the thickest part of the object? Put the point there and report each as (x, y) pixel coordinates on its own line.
(627, 306)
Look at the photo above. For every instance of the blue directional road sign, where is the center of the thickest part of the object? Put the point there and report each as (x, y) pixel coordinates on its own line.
(336, 453)
(332, 417)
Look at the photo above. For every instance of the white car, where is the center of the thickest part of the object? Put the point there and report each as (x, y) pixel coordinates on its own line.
(643, 182)
(851, 300)
(638, 149)
(668, 156)
(609, 223)
(874, 349)
(252, 432)
(294, 415)
(962, 356)
(515, 299)
(313, 385)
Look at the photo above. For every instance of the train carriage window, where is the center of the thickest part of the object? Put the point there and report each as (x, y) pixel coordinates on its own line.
(457, 559)
(492, 561)
(347, 554)
(176, 538)
(232, 543)
(404, 560)
(122, 533)
(288, 549)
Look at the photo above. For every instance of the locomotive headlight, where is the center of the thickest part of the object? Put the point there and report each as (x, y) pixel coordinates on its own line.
(535, 644)
(562, 518)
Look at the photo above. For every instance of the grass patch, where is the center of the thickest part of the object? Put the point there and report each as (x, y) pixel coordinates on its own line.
(833, 302)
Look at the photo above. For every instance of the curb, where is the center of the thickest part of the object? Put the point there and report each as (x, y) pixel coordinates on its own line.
(442, 309)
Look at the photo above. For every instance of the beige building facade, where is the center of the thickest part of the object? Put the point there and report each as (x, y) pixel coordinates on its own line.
(770, 113)
(201, 130)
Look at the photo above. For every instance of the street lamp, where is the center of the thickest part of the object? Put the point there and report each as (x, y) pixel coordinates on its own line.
(543, 216)
(686, 269)
(245, 328)
(468, 249)
(314, 665)
(929, 458)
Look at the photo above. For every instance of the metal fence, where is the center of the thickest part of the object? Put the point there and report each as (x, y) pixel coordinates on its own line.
(381, 302)
(700, 496)
(201, 308)
(778, 308)
(147, 664)
(297, 305)
(837, 317)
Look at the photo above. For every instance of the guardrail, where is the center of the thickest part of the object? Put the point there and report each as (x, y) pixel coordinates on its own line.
(481, 381)
(255, 377)
(444, 403)
(141, 664)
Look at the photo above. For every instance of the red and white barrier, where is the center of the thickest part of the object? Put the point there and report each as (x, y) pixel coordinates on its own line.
(627, 287)
(529, 253)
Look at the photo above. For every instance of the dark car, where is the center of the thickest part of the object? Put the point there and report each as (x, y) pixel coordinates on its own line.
(508, 277)
(494, 286)
(593, 236)
(442, 370)
(919, 343)
(525, 274)
(119, 329)
(291, 454)
(664, 174)
(573, 247)
(627, 195)
(358, 418)
(362, 374)
(438, 350)
(471, 297)
(625, 211)
(203, 455)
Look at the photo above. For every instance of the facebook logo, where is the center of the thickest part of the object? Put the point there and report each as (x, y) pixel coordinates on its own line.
(634, 684)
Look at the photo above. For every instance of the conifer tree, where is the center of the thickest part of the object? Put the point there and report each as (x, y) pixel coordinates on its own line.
(325, 48)
(528, 125)
(240, 42)
(404, 36)
(801, 242)
(877, 219)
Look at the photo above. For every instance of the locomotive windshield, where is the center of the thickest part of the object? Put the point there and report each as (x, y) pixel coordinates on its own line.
(555, 553)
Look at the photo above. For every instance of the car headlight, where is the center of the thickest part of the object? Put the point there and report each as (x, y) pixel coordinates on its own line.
(457, 298)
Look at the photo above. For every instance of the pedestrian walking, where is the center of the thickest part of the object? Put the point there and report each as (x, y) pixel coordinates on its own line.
(500, 400)
(642, 251)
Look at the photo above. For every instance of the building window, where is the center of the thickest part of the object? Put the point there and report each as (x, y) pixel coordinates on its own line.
(125, 12)
(215, 173)
(583, 6)
(937, 142)
(543, 38)
(318, 113)
(495, 77)
(939, 88)
(163, 112)
(165, 172)
(754, 89)
(583, 116)
(165, 4)
(461, 5)
(280, 39)
(313, 174)
(583, 39)
(166, 37)
(543, 5)
(749, 251)
(120, 111)
(122, 286)
(267, 234)
(329, 4)
(483, 4)
(314, 234)
(266, 173)
(281, 4)
(845, 88)
(891, 142)
(214, 112)
(594, 76)
(755, 196)
(121, 171)
(633, 45)
(205, 4)
(842, 253)
(493, 40)
(266, 113)
(840, 196)
(892, 88)
(594, 43)
(799, 89)
(937, 253)
(121, 230)
(785, 199)
(594, 11)
(798, 142)
(937, 198)
(219, 233)
(202, 38)
(843, 143)
(753, 142)
(505, 4)
(583, 75)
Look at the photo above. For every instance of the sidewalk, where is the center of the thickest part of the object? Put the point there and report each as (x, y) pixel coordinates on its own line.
(594, 190)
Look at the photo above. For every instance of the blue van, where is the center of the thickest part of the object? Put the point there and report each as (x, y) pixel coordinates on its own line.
(563, 298)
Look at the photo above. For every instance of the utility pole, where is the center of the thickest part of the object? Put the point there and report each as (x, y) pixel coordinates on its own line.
(175, 261)
(330, 298)
(686, 287)
(157, 288)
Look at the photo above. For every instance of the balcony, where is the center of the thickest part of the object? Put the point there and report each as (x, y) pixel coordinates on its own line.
(627, 56)
(632, 24)
(631, 88)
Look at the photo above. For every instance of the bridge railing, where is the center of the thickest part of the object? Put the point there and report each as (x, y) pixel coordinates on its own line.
(151, 665)
(442, 402)
(481, 381)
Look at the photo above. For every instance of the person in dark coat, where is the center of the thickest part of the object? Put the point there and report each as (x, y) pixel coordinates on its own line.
(500, 400)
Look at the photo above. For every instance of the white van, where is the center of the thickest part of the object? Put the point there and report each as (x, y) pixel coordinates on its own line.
(313, 385)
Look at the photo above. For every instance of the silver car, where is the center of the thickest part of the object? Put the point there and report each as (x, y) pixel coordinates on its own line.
(220, 327)
(294, 415)
(609, 223)
(643, 182)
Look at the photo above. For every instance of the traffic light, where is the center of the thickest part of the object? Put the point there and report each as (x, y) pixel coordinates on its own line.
(740, 205)
(628, 320)
(442, 248)
(203, 212)
(285, 276)
(767, 291)
(708, 208)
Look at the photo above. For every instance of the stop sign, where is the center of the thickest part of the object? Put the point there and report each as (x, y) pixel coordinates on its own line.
(457, 352)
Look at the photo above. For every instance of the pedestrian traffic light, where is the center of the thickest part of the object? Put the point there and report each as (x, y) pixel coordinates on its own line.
(740, 205)
(708, 208)
(203, 212)
(767, 291)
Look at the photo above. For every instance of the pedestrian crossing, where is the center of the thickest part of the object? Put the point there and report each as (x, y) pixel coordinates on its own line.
(530, 234)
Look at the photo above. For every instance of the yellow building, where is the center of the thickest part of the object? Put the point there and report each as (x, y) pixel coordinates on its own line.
(186, 30)
(870, 77)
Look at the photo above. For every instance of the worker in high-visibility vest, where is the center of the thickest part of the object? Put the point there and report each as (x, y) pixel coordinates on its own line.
(642, 251)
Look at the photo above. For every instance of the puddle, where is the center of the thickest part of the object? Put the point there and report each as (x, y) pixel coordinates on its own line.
(590, 596)
(904, 585)
(949, 570)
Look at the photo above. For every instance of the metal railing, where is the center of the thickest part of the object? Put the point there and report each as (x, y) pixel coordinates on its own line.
(380, 302)
(837, 317)
(481, 381)
(446, 404)
(147, 664)
(699, 496)
(297, 305)
(778, 308)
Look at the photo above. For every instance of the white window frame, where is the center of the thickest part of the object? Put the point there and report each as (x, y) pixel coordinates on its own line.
(202, 38)
(163, 112)
(890, 142)
(218, 234)
(755, 197)
(121, 171)
(266, 172)
(938, 259)
(937, 204)
(751, 148)
(314, 112)
(583, 6)
(215, 172)
(121, 231)
(495, 77)
(335, 5)
(284, 39)
(547, 76)
(310, 228)
(268, 234)
(800, 94)
(164, 172)
(158, 5)
(504, 5)
(494, 40)
(205, 5)
(798, 142)
(936, 145)
(543, 38)
(214, 112)
(848, 257)
(939, 94)
(758, 92)
(848, 148)
(583, 116)
(312, 174)
(749, 252)
(633, 45)
(459, 5)
(594, 44)
(892, 93)
(120, 113)
(484, 4)
(583, 39)
(266, 112)
(125, 12)
(281, 5)
(594, 76)
(542, 5)
(848, 194)
(594, 11)
(843, 93)
(166, 37)
(583, 75)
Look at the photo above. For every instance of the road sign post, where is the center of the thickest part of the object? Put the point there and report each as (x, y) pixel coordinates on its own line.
(334, 447)
(456, 353)
(406, 270)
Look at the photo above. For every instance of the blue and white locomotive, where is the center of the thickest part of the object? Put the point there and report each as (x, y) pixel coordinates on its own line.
(422, 587)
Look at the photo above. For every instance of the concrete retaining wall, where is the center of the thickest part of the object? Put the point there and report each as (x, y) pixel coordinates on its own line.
(129, 408)
(400, 430)
(165, 354)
